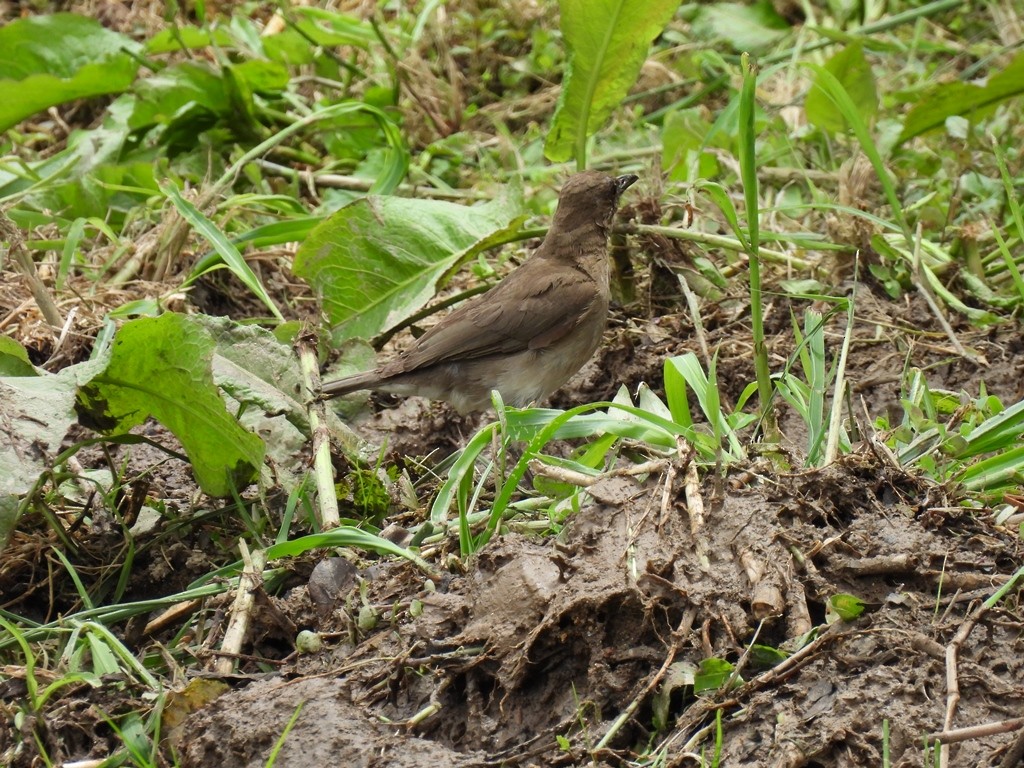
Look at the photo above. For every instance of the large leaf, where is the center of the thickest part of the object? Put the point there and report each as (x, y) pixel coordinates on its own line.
(608, 42)
(964, 99)
(161, 367)
(36, 413)
(744, 27)
(47, 60)
(258, 372)
(190, 98)
(853, 72)
(162, 96)
(379, 259)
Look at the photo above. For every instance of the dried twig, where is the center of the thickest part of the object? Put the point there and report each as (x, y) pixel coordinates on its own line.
(359, 184)
(571, 476)
(694, 504)
(249, 583)
(952, 677)
(23, 262)
(976, 731)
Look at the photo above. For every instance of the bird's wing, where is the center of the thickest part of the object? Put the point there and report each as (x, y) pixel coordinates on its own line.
(533, 311)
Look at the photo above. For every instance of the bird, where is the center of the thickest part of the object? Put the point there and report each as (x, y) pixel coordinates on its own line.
(532, 331)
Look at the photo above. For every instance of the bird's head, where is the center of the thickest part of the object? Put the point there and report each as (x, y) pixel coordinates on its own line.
(590, 197)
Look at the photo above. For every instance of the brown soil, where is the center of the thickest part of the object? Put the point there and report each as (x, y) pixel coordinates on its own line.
(561, 637)
(579, 648)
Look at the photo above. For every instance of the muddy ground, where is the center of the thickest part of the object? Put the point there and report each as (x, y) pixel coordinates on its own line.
(579, 648)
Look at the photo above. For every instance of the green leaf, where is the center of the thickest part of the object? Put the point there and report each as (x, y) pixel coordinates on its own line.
(185, 38)
(9, 504)
(687, 367)
(380, 259)
(853, 72)
(47, 60)
(258, 371)
(713, 674)
(845, 607)
(161, 367)
(1003, 469)
(224, 247)
(999, 432)
(720, 197)
(262, 76)
(608, 42)
(964, 99)
(825, 80)
(36, 413)
(765, 656)
(311, 29)
(744, 27)
(343, 536)
(162, 96)
(14, 359)
(684, 139)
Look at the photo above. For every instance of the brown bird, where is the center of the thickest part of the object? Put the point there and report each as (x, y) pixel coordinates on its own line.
(527, 335)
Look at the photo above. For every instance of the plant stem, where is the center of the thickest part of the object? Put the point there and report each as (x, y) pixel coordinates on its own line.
(748, 172)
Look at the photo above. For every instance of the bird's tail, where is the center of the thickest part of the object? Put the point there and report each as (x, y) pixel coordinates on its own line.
(347, 384)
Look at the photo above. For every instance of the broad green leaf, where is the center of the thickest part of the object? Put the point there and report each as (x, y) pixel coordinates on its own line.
(161, 367)
(36, 413)
(262, 76)
(259, 374)
(14, 359)
(608, 42)
(744, 27)
(765, 656)
(379, 259)
(191, 98)
(852, 70)
(164, 95)
(964, 99)
(47, 60)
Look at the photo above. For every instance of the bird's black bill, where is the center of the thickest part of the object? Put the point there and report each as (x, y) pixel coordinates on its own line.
(622, 183)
